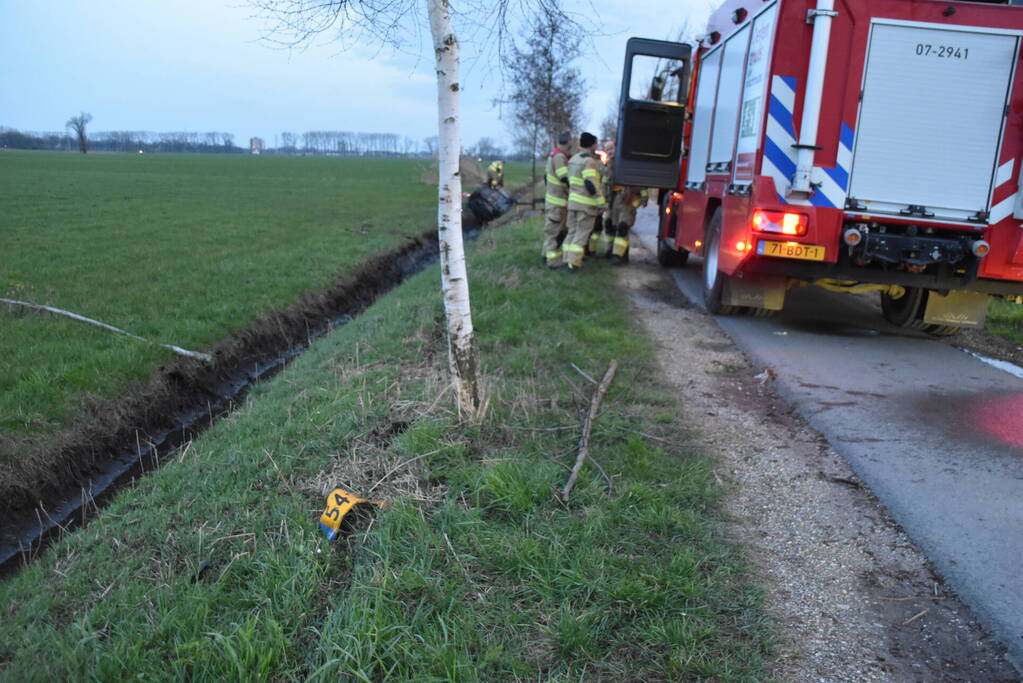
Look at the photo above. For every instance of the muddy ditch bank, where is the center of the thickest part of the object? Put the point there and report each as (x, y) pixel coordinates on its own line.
(50, 486)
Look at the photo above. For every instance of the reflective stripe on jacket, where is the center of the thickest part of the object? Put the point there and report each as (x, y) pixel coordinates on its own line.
(583, 167)
(555, 170)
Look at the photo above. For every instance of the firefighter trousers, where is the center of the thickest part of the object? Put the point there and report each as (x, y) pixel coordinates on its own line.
(554, 231)
(593, 243)
(580, 225)
(623, 217)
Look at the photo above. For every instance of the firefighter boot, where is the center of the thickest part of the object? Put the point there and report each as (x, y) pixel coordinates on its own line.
(620, 245)
(608, 237)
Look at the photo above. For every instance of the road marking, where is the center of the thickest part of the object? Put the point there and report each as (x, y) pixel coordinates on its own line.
(1010, 368)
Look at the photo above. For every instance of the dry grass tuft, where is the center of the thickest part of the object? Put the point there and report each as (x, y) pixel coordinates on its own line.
(471, 172)
(369, 465)
(511, 278)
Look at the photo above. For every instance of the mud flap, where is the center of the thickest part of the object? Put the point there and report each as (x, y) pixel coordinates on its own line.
(754, 291)
(957, 308)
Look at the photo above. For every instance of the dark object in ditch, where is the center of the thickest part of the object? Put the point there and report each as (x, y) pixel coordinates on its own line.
(488, 204)
(202, 571)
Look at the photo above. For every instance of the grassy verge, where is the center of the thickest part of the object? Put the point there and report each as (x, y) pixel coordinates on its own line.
(213, 568)
(1005, 319)
(180, 249)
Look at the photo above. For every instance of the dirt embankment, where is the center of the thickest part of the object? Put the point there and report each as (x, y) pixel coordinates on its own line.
(471, 171)
(852, 597)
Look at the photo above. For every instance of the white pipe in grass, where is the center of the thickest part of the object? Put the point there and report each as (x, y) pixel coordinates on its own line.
(82, 319)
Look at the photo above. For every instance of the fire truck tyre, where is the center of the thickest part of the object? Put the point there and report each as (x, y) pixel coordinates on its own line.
(904, 311)
(714, 279)
(669, 257)
(932, 329)
(941, 330)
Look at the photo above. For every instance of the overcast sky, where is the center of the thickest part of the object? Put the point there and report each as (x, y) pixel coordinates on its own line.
(198, 65)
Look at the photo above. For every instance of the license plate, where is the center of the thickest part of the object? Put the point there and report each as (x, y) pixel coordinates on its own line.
(806, 252)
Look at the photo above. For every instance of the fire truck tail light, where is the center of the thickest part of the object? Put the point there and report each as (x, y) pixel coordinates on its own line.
(743, 246)
(981, 248)
(781, 222)
(667, 210)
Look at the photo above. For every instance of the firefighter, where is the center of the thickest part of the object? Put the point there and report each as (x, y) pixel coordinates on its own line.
(606, 168)
(555, 201)
(623, 216)
(495, 175)
(585, 201)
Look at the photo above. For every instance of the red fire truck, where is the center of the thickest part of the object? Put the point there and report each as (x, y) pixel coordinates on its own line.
(860, 145)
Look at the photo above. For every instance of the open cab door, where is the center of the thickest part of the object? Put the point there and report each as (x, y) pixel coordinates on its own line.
(652, 111)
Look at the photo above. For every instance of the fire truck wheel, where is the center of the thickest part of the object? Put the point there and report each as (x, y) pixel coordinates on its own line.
(904, 311)
(669, 257)
(714, 279)
(941, 330)
(908, 311)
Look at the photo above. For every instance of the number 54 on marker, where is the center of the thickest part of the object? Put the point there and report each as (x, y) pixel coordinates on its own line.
(339, 504)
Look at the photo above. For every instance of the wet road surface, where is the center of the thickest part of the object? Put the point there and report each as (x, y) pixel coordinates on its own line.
(934, 432)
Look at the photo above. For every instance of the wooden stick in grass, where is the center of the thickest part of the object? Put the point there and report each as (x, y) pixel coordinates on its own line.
(584, 440)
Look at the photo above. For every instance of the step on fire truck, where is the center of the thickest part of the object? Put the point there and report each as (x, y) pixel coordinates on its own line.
(860, 145)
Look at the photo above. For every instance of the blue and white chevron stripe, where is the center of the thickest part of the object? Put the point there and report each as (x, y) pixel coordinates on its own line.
(780, 155)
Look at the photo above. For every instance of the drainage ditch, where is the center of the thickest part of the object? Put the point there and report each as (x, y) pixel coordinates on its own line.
(122, 439)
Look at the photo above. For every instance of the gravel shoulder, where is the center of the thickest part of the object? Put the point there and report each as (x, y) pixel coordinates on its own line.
(851, 596)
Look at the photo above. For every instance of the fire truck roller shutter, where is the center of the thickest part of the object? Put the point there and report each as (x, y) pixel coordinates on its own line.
(931, 118)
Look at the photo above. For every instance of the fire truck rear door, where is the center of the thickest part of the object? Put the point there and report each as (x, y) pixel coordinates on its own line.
(652, 113)
(931, 119)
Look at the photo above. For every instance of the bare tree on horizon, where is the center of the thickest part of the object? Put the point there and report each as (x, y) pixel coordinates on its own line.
(78, 124)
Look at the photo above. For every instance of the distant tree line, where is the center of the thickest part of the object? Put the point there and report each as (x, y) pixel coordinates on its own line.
(334, 143)
(14, 139)
(347, 143)
(122, 141)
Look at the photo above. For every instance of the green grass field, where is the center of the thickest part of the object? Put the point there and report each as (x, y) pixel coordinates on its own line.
(1005, 319)
(180, 249)
(213, 567)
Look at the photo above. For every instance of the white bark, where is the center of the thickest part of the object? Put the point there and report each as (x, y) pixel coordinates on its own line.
(463, 354)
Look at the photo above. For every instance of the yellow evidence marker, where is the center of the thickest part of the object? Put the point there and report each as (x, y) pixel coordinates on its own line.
(339, 504)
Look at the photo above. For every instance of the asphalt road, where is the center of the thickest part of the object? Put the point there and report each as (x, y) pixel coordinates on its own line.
(936, 433)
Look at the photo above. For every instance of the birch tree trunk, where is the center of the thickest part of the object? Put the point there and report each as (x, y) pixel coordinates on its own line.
(463, 354)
